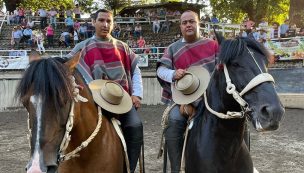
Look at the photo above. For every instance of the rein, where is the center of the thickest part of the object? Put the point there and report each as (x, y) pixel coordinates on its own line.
(69, 126)
(231, 89)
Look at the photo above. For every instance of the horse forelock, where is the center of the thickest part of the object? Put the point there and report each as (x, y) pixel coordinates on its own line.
(49, 79)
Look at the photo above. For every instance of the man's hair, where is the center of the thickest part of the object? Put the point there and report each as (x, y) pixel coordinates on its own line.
(190, 11)
(94, 16)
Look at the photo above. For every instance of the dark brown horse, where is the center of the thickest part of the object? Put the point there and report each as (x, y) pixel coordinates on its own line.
(57, 104)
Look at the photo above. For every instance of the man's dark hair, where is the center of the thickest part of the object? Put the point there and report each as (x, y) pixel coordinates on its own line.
(94, 16)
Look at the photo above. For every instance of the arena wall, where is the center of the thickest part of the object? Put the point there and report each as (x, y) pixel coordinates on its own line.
(152, 92)
(9, 82)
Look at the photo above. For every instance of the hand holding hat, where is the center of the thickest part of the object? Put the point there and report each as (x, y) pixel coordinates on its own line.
(191, 86)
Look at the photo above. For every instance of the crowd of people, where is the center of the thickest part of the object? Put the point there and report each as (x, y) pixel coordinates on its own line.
(28, 31)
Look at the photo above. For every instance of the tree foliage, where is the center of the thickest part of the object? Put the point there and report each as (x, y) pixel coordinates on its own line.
(296, 12)
(236, 10)
(34, 5)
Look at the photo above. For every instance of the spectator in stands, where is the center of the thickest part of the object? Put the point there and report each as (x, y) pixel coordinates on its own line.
(61, 14)
(275, 31)
(69, 23)
(77, 11)
(69, 12)
(254, 34)
(30, 23)
(77, 25)
(83, 32)
(28, 36)
(61, 42)
(39, 38)
(10, 18)
(130, 41)
(91, 29)
(67, 38)
(284, 29)
(21, 14)
(262, 36)
(50, 35)
(28, 14)
(263, 24)
(16, 36)
(53, 16)
(214, 19)
(165, 27)
(16, 15)
(172, 66)
(95, 60)
(23, 23)
(128, 31)
(43, 18)
(155, 25)
(141, 42)
(292, 31)
(137, 30)
(176, 13)
(76, 37)
(116, 30)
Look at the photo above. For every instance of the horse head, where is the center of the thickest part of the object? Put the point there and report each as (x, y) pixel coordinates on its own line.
(47, 92)
(250, 89)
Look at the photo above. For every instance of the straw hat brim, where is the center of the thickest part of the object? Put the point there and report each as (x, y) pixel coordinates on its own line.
(204, 78)
(124, 106)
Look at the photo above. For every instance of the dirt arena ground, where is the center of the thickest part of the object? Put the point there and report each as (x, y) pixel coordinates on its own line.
(281, 151)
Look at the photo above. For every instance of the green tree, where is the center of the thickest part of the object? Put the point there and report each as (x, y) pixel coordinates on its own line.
(86, 5)
(236, 10)
(115, 5)
(296, 12)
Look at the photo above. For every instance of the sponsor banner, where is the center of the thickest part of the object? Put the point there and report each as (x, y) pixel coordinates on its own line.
(285, 49)
(143, 60)
(14, 63)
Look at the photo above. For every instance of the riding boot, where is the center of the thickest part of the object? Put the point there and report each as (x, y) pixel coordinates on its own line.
(134, 140)
(174, 142)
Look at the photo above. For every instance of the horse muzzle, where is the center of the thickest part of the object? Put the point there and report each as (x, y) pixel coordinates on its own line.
(267, 118)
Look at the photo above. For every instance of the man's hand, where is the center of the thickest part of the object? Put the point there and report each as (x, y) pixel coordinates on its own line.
(136, 101)
(179, 73)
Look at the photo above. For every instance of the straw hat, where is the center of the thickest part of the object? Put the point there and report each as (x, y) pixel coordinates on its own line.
(110, 96)
(191, 86)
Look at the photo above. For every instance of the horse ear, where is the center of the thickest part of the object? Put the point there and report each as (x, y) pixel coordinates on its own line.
(219, 37)
(72, 63)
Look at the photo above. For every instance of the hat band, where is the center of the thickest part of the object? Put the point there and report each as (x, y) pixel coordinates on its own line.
(192, 88)
(110, 98)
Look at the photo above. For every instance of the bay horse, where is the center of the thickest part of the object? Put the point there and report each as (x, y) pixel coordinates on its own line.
(65, 124)
(240, 87)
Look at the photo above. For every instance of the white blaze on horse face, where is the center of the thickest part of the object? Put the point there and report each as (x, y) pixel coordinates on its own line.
(35, 167)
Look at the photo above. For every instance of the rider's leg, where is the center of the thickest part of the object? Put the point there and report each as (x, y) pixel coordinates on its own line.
(174, 135)
(133, 132)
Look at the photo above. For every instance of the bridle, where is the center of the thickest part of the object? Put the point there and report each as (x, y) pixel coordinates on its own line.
(231, 89)
(69, 125)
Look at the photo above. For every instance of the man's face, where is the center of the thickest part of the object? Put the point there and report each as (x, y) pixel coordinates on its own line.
(103, 24)
(189, 25)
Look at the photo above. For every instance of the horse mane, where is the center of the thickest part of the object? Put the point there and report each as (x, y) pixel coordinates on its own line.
(232, 48)
(48, 78)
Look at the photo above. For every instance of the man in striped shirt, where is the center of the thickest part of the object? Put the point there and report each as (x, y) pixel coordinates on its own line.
(188, 51)
(104, 57)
